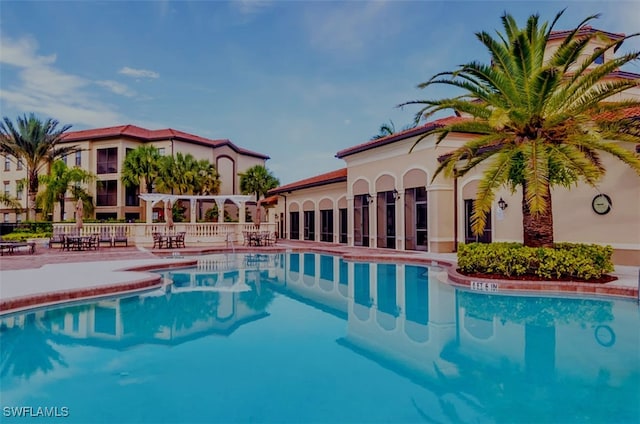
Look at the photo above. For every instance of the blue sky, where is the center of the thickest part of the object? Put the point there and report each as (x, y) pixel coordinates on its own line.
(297, 80)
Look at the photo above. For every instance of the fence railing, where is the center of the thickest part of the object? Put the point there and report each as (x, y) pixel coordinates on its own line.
(201, 233)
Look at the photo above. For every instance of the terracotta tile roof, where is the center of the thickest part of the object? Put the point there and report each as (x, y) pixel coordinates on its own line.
(628, 113)
(319, 180)
(145, 135)
(586, 30)
(399, 136)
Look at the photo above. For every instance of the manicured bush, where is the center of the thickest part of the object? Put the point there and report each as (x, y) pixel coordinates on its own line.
(564, 260)
(35, 227)
(22, 236)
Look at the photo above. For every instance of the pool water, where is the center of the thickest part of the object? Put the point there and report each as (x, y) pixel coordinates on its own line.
(302, 337)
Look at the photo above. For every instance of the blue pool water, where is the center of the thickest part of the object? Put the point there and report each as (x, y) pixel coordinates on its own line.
(299, 338)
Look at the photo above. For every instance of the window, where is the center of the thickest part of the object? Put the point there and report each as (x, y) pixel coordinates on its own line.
(343, 225)
(19, 164)
(7, 163)
(108, 160)
(161, 151)
(309, 225)
(64, 159)
(131, 196)
(18, 217)
(294, 232)
(6, 189)
(485, 237)
(416, 219)
(361, 220)
(6, 217)
(78, 158)
(326, 225)
(600, 59)
(107, 193)
(386, 219)
(19, 189)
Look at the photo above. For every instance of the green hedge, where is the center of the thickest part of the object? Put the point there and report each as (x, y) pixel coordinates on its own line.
(564, 260)
(22, 236)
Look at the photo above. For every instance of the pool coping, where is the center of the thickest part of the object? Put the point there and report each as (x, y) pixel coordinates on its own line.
(454, 278)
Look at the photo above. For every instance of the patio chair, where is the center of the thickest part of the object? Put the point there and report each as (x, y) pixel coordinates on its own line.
(120, 236)
(92, 242)
(105, 236)
(57, 238)
(179, 240)
(158, 240)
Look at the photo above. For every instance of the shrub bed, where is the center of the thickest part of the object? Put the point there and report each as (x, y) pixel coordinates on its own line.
(563, 261)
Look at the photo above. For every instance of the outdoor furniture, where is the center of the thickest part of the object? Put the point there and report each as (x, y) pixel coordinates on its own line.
(105, 236)
(57, 238)
(91, 242)
(120, 236)
(10, 247)
(158, 240)
(179, 239)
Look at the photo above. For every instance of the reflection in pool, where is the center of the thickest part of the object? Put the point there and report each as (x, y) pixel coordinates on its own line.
(312, 338)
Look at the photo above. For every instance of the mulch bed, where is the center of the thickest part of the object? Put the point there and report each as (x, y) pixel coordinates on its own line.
(604, 279)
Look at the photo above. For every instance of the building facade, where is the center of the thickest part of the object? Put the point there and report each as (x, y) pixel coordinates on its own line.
(102, 152)
(386, 197)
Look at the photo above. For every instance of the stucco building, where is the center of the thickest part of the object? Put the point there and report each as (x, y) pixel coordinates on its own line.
(102, 152)
(385, 196)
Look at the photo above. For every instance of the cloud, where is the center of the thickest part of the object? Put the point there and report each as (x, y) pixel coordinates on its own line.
(349, 27)
(249, 7)
(138, 73)
(42, 88)
(116, 87)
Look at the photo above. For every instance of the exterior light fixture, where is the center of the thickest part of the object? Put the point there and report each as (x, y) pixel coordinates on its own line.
(396, 195)
(502, 204)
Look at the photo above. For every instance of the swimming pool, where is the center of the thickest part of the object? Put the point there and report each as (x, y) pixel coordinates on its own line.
(302, 337)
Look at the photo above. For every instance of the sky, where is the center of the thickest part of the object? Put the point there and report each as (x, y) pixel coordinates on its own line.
(296, 80)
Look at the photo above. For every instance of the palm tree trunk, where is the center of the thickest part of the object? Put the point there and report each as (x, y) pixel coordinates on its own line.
(537, 228)
(61, 208)
(31, 210)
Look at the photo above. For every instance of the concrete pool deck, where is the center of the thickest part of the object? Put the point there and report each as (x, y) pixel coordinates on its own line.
(51, 276)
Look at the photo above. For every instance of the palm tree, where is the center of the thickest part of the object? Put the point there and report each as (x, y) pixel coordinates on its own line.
(258, 180)
(60, 180)
(386, 130)
(141, 165)
(36, 143)
(539, 122)
(208, 178)
(10, 201)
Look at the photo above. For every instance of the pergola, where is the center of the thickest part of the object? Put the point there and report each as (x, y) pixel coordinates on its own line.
(151, 199)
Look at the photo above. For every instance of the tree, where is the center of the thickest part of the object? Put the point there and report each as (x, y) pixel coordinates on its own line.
(389, 129)
(36, 143)
(60, 180)
(540, 122)
(141, 166)
(186, 175)
(10, 201)
(258, 180)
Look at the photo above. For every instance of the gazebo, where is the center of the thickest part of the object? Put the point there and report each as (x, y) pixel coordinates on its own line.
(152, 199)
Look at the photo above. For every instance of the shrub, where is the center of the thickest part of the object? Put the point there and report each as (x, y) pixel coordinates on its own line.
(35, 227)
(24, 235)
(564, 260)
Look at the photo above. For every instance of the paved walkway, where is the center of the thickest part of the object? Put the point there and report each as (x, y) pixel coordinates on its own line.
(51, 275)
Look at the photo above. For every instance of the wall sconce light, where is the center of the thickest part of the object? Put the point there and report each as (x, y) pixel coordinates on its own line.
(369, 198)
(502, 204)
(396, 195)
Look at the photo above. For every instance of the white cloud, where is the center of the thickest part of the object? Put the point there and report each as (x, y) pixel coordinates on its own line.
(116, 88)
(250, 6)
(42, 88)
(138, 73)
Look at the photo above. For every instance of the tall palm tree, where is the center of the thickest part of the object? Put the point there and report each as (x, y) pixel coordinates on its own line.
(184, 174)
(258, 180)
(385, 130)
(540, 122)
(60, 180)
(141, 165)
(36, 143)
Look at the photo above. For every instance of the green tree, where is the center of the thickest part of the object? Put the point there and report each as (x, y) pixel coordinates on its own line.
(37, 144)
(540, 122)
(10, 201)
(141, 166)
(389, 129)
(184, 174)
(258, 180)
(58, 182)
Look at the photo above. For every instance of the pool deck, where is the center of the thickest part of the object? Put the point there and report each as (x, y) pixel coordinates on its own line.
(26, 280)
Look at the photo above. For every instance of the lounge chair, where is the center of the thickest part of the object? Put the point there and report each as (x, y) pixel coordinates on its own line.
(120, 236)
(105, 236)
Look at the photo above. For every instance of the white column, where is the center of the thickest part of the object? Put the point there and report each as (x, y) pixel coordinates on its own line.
(316, 222)
(192, 211)
(400, 210)
(373, 221)
(220, 205)
(350, 220)
(336, 223)
(149, 207)
(241, 212)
